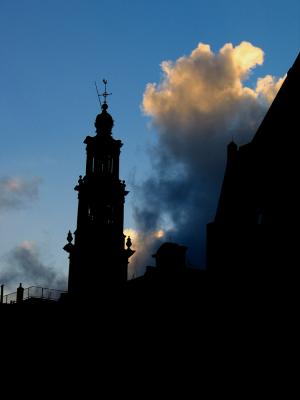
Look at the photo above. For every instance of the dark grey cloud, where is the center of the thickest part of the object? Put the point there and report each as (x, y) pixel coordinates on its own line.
(24, 264)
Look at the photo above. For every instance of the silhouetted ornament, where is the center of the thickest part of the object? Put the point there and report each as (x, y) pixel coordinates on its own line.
(128, 242)
(128, 251)
(69, 246)
(80, 183)
(69, 237)
(104, 122)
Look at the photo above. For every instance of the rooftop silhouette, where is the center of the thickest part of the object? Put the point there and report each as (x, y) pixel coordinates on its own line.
(253, 230)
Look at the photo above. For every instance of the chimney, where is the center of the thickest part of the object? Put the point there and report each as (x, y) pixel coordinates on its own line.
(232, 150)
(20, 293)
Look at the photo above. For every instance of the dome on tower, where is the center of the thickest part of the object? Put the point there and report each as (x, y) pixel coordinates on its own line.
(104, 122)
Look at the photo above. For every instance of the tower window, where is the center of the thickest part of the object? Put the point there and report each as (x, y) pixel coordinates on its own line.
(90, 214)
(112, 166)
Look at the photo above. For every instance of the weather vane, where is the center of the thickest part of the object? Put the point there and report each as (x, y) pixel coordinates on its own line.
(104, 94)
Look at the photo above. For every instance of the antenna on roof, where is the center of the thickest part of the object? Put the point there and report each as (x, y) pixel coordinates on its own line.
(98, 94)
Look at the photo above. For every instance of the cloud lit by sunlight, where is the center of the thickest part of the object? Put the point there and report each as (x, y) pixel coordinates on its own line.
(143, 244)
(133, 234)
(207, 83)
(268, 87)
(201, 102)
(245, 56)
(159, 234)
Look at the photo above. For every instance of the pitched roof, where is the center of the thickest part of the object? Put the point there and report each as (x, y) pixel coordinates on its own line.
(284, 112)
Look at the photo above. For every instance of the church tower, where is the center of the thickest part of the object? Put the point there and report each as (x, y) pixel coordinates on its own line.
(98, 258)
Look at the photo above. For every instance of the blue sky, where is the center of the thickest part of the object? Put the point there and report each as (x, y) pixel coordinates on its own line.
(51, 53)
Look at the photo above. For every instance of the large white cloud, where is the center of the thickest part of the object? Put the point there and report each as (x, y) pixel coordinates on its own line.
(204, 92)
(200, 104)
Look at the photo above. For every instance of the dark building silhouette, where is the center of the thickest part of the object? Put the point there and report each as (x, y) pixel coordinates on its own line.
(98, 258)
(258, 210)
(170, 281)
(171, 256)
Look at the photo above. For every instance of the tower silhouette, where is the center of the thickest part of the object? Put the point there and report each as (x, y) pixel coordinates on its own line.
(98, 258)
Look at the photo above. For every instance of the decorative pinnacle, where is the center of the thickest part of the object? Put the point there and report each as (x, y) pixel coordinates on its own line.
(69, 237)
(128, 242)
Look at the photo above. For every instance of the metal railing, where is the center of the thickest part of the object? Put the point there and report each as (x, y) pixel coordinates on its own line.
(34, 292)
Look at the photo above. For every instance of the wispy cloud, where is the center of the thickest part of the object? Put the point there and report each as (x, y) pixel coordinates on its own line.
(200, 104)
(16, 192)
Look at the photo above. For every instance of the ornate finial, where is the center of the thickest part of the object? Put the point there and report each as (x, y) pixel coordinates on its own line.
(128, 242)
(69, 237)
(128, 251)
(69, 246)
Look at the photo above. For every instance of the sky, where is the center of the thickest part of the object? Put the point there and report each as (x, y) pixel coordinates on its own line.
(185, 78)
